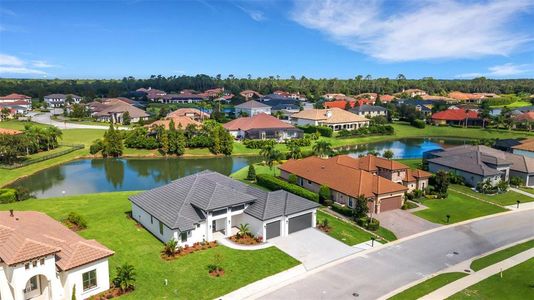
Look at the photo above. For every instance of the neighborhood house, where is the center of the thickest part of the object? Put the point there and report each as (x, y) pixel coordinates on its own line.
(59, 100)
(262, 126)
(207, 206)
(42, 259)
(335, 118)
(252, 108)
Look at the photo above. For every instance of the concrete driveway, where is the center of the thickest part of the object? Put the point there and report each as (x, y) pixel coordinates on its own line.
(403, 223)
(312, 247)
(45, 118)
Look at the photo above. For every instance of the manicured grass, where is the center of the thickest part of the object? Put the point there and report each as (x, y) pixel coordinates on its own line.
(508, 198)
(514, 105)
(498, 256)
(428, 286)
(458, 206)
(527, 189)
(343, 231)
(516, 283)
(415, 163)
(187, 276)
(386, 234)
(242, 173)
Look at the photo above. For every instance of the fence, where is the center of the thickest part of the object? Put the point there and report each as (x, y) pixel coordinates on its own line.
(71, 148)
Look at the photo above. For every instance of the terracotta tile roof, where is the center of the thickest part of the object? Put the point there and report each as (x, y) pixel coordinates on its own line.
(387, 98)
(188, 112)
(30, 235)
(338, 103)
(245, 93)
(527, 145)
(464, 96)
(528, 117)
(370, 163)
(120, 106)
(337, 115)
(178, 121)
(256, 122)
(414, 174)
(15, 96)
(347, 180)
(455, 115)
(9, 131)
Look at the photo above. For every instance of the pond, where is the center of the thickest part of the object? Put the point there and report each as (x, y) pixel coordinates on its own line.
(107, 175)
(406, 148)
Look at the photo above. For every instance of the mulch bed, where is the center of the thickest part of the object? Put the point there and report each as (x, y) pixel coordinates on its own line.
(216, 273)
(109, 294)
(189, 249)
(246, 240)
(325, 229)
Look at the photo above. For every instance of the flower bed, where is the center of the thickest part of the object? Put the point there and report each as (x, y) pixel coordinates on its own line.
(246, 239)
(113, 292)
(183, 251)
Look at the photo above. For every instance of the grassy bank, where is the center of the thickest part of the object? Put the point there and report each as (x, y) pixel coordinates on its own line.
(508, 198)
(188, 277)
(428, 286)
(343, 231)
(498, 256)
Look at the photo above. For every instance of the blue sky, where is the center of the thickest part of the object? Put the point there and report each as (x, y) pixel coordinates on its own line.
(315, 38)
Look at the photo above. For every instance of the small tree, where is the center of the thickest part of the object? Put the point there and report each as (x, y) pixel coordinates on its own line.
(516, 181)
(294, 151)
(388, 154)
(324, 193)
(170, 247)
(292, 179)
(251, 172)
(126, 119)
(360, 207)
(73, 297)
(441, 182)
(125, 279)
(244, 230)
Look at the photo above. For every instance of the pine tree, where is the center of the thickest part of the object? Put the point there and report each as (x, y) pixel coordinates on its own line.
(251, 172)
(180, 142)
(165, 145)
(126, 119)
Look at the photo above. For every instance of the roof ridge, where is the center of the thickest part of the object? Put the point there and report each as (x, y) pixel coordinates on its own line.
(186, 199)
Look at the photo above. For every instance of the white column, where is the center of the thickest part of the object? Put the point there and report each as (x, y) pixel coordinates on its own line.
(228, 230)
(209, 233)
(314, 218)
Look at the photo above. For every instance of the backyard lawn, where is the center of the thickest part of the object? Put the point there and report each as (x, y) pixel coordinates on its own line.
(514, 104)
(498, 256)
(343, 231)
(508, 198)
(458, 206)
(516, 283)
(428, 286)
(242, 173)
(188, 277)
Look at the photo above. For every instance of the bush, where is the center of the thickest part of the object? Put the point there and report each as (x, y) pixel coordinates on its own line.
(8, 195)
(96, 147)
(346, 211)
(375, 129)
(257, 144)
(373, 225)
(303, 142)
(273, 183)
(77, 220)
(292, 179)
(418, 123)
(516, 181)
(322, 130)
(324, 193)
(328, 202)
(362, 221)
(251, 175)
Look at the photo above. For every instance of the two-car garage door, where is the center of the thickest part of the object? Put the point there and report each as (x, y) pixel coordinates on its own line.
(294, 224)
(390, 203)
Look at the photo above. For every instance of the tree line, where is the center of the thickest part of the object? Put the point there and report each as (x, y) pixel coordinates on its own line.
(310, 87)
(13, 148)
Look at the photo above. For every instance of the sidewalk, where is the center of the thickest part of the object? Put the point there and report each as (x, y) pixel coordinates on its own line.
(465, 282)
(522, 192)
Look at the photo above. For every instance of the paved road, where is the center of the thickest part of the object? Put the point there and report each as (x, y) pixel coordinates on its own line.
(403, 223)
(389, 268)
(44, 118)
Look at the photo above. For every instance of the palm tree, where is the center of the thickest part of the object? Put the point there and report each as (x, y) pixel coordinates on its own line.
(294, 151)
(125, 279)
(244, 230)
(270, 154)
(322, 148)
(170, 247)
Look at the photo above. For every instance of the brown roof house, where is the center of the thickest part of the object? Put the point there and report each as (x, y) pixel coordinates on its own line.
(383, 182)
(335, 118)
(262, 126)
(192, 113)
(179, 122)
(42, 259)
(112, 110)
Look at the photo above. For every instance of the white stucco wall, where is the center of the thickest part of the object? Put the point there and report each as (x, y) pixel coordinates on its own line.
(144, 219)
(74, 277)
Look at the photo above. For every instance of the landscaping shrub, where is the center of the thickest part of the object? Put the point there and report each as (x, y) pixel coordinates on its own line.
(366, 131)
(324, 193)
(251, 175)
(257, 144)
(328, 202)
(303, 142)
(76, 220)
(273, 183)
(373, 224)
(8, 195)
(292, 179)
(418, 123)
(346, 211)
(362, 221)
(322, 130)
(516, 181)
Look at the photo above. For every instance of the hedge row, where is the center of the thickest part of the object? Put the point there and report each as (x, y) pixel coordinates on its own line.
(273, 183)
(257, 144)
(71, 148)
(346, 211)
(8, 196)
(322, 130)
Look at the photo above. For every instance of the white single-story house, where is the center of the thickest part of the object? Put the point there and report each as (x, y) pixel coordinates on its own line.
(252, 108)
(206, 206)
(42, 259)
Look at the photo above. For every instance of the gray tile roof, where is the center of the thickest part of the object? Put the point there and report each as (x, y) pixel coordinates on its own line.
(252, 104)
(182, 203)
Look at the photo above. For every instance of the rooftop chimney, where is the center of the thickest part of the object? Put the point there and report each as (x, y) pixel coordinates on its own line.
(11, 213)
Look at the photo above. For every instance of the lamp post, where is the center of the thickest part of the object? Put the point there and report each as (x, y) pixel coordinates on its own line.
(448, 218)
(372, 241)
(518, 203)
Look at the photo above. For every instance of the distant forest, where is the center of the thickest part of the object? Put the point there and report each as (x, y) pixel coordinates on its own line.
(312, 88)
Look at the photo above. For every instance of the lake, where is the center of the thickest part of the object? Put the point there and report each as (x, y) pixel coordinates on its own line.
(108, 175)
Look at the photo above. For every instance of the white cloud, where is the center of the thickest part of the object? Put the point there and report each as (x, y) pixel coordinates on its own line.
(256, 15)
(500, 71)
(10, 64)
(424, 30)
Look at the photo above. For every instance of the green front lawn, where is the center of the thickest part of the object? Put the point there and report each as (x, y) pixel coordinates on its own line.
(428, 286)
(508, 198)
(242, 173)
(458, 206)
(414, 163)
(498, 256)
(386, 234)
(343, 231)
(187, 276)
(516, 283)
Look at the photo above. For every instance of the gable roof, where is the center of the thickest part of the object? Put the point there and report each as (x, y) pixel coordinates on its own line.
(527, 116)
(182, 203)
(329, 116)
(370, 163)
(120, 106)
(252, 104)
(15, 96)
(527, 145)
(455, 115)
(340, 177)
(259, 121)
(188, 112)
(30, 235)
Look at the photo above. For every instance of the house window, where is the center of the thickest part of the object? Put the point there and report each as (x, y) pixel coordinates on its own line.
(42, 261)
(183, 236)
(239, 207)
(350, 202)
(160, 228)
(309, 181)
(27, 266)
(89, 280)
(151, 220)
(32, 284)
(219, 212)
(34, 263)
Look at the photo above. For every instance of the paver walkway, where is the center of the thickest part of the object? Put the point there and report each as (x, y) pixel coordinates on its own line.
(522, 192)
(465, 282)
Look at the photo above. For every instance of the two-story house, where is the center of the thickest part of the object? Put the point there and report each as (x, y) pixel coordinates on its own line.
(42, 259)
(207, 206)
(59, 100)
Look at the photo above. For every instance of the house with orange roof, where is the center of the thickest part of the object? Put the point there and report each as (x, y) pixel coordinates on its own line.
(347, 181)
(262, 126)
(250, 94)
(192, 113)
(40, 258)
(335, 118)
(456, 117)
(8, 131)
